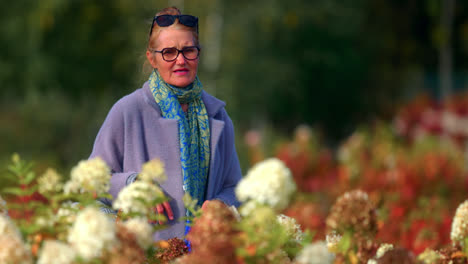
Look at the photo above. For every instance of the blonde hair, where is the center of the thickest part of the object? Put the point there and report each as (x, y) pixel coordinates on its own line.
(157, 29)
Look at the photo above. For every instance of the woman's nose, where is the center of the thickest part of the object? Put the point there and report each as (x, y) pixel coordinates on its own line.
(180, 59)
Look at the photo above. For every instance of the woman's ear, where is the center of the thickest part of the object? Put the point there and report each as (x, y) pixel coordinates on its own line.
(151, 59)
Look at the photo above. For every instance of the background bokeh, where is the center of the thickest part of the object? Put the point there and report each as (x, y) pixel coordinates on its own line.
(330, 64)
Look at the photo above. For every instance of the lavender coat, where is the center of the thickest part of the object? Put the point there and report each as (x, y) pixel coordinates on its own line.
(134, 132)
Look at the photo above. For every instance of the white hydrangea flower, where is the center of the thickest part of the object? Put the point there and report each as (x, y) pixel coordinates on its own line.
(460, 224)
(89, 176)
(153, 170)
(49, 182)
(142, 230)
(71, 187)
(92, 233)
(56, 252)
(383, 248)
(136, 197)
(3, 207)
(268, 182)
(248, 208)
(45, 221)
(315, 253)
(429, 256)
(332, 241)
(67, 212)
(12, 247)
(293, 229)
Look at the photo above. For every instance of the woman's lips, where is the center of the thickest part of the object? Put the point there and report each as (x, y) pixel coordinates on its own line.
(182, 71)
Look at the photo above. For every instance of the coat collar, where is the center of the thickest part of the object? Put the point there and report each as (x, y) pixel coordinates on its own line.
(212, 104)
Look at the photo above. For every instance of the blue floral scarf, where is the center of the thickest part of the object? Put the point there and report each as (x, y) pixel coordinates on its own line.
(194, 131)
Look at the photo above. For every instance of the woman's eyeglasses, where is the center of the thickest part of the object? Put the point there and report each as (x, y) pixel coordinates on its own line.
(167, 20)
(171, 54)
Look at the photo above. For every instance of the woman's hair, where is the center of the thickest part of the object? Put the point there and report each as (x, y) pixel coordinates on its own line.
(157, 29)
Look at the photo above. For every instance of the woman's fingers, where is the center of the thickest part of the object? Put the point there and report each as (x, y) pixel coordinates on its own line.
(168, 209)
(160, 208)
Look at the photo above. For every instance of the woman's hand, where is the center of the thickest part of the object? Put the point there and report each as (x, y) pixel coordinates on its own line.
(165, 207)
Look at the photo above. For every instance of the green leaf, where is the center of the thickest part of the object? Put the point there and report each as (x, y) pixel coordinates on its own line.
(29, 177)
(14, 190)
(345, 242)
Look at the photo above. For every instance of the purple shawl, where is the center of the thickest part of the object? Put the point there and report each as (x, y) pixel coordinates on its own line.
(134, 132)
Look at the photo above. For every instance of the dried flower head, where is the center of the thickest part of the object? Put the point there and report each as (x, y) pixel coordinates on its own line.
(12, 247)
(153, 170)
(398, 255)
(49, 182)
(211, 235)
(293, 230)
(56, 252)
(451, 254)
(142, 231)
(138, 197)
(92, 233)
(315, 253)
(353, 211)
(268, 182)
(127, 250)
(173, 248)
(89, 176)
(460, 224)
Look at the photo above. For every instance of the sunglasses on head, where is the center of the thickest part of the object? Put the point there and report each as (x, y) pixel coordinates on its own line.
(167, 20)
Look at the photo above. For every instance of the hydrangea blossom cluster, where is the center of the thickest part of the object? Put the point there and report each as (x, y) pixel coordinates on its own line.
(12, 247)
(136, 197)
(49, 182)
(56, 252)
(315, 253)
(153, 170)
(268, 182)
(353, 211)
(460, 224)
(292, 228)
(92, 234)
(142, 230)
(90, 175)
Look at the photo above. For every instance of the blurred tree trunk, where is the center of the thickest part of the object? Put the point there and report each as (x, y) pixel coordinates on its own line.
(445, 51)
(212, 44)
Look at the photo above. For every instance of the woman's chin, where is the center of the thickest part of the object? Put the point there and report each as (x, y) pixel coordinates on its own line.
(182, 82)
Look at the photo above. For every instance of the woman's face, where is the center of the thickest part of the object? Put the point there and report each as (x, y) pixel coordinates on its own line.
(180, 72)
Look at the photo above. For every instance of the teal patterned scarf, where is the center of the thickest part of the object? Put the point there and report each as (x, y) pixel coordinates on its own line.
(194, 131)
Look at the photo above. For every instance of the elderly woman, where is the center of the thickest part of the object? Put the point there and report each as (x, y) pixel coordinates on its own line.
(172, 118)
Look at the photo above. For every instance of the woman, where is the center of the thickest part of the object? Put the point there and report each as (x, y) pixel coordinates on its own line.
(173, 119)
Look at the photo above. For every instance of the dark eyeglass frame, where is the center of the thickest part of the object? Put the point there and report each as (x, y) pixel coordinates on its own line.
(178, 52)
(167, 20)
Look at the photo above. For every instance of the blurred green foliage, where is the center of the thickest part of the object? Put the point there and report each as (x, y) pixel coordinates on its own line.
(328, 63)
